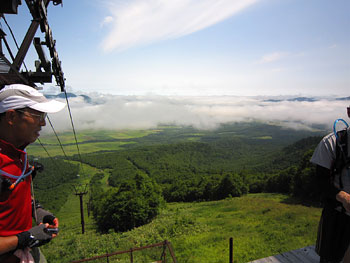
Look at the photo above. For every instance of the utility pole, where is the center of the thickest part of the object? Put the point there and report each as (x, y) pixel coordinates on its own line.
(81, 191)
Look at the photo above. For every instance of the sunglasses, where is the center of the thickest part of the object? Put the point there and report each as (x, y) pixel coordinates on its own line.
(41, 116)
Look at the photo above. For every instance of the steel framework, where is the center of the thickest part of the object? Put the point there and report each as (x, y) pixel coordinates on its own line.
(10, 67)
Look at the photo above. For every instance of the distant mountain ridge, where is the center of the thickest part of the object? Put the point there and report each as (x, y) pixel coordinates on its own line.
(86, 98)
(345, 98)
(96, 101)
(302, 99)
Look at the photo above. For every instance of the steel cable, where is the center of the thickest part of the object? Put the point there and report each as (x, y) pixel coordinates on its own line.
(48, 154)
(58, 139)
(14, 39)
(71, 119)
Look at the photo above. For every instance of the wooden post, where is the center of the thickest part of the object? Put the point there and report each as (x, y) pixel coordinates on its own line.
(164, 253)
(231, 250)
(171, 251)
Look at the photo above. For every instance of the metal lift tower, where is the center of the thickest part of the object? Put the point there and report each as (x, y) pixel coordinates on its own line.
(11, 62)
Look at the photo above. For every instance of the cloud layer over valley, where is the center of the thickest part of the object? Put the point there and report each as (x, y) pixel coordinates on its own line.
(97, 111)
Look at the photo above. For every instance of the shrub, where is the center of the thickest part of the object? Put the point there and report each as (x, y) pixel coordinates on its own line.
(134, 203)
(231, 185)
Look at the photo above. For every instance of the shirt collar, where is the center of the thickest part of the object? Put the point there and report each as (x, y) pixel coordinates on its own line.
(9, 149)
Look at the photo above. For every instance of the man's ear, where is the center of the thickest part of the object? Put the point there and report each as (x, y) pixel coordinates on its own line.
(10, 116)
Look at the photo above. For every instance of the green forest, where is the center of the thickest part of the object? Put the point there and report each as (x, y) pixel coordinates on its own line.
(132, 186)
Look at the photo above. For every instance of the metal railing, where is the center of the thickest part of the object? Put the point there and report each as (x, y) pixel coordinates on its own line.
(165, 244)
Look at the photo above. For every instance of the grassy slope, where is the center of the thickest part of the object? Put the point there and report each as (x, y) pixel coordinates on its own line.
(260, 224)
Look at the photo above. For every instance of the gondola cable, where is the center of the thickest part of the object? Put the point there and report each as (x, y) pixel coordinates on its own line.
(53, 161)
(14, 39)
(75, 136)
(58, 139)
(42, 145)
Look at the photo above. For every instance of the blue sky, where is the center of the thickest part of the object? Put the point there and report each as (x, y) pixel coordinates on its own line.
(201, 47)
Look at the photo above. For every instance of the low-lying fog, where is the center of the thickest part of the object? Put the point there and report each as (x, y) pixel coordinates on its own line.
(99, 111)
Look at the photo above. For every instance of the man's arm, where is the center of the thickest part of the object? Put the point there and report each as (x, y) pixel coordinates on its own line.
(8, 244)
(34, 237)
(347, 256)
(344, 198)
(329, 191)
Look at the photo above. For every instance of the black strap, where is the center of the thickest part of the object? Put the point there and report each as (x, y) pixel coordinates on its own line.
(341, 154)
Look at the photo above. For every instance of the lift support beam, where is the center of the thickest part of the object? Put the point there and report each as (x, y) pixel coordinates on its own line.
(44, 70)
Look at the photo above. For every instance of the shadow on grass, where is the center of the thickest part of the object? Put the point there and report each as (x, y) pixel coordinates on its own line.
(291, 200)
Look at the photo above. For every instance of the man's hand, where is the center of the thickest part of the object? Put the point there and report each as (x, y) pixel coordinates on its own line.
(34, 237)
(344, 198)
(55, 226)
(45, 217)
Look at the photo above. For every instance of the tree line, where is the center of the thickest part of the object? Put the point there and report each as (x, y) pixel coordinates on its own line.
(195, 171)
(141, 180)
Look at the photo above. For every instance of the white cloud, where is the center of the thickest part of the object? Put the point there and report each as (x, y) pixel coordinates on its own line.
(107, 20)
(272, 57)
(143, 112)
(138, 22)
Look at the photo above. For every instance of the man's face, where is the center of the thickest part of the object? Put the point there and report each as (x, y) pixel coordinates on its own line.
(27, 125)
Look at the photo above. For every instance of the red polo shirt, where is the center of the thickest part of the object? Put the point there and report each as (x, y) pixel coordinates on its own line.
(15, 206)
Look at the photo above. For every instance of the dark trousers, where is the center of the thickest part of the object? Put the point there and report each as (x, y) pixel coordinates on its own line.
(333, 237)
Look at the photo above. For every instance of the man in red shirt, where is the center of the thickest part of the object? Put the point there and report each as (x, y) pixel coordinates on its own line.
(22, 114)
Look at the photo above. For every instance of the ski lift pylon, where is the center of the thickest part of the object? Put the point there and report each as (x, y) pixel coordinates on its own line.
(10, 67)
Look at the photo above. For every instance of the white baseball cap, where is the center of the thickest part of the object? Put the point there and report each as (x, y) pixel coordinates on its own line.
(19, 96)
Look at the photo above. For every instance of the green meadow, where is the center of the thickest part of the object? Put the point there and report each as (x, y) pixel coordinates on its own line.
(88, 141)
(261, 225)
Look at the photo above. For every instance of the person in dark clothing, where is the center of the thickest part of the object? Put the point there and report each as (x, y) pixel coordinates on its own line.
(333, 237)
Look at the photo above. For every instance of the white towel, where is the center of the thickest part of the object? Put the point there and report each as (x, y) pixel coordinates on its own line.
(24, 255)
